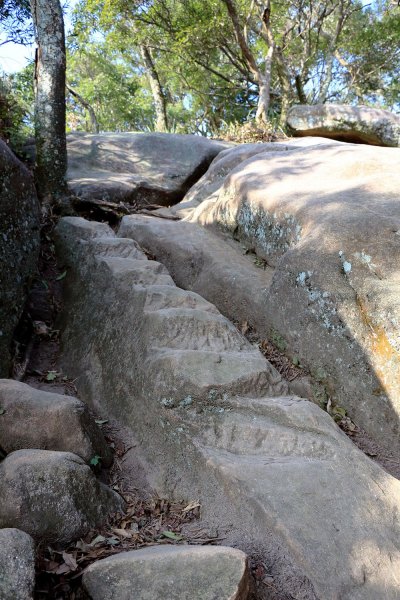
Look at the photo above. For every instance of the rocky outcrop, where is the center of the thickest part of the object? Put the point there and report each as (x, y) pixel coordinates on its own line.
(215, 422)
(52, 495)
(359, 124)
(208, 187)
(17, 565)
(173, 572)
(137, 168)
(36, 419)
(19, 248)
(324, 220)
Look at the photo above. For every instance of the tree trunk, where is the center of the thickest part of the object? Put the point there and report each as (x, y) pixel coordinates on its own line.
(284, 79)
(300, 90)
(51, 147)
(92, 115)
(156, 90)
(264, 97)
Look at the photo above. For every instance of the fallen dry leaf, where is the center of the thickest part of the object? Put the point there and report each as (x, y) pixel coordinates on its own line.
(70, 561)
(191, 506)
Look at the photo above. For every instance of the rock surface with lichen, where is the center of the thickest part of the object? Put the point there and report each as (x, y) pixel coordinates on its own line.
(52, 495)
(361, 124)
(173, 572)
(324, 219)
(17, 565)
(19, 247)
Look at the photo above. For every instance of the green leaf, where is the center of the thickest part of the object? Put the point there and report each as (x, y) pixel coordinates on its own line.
(95, 460)
(63, 274)
(101, 421)
(172, 536)
(51, 375)
(2, 410)
(113, 541)
(97, 540)
(339, 411)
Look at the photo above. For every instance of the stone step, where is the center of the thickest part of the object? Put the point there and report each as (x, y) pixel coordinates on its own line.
(171, 573)
(272, 472)
(215, 267)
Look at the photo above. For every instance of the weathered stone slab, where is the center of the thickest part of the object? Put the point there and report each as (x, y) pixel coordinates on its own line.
(19, 247)
(17, 565)
(52, 495)
(272, 471)
(173, 572)
(359, 124)
(33, 418)
(325, 219)
(146, 168)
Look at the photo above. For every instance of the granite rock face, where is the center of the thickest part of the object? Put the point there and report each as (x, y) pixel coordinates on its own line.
(19, 247)
(17, 565)
(36, 419)
(215, 422)
(324, 219)
(359, 124)
(137, 168)
(52, 495)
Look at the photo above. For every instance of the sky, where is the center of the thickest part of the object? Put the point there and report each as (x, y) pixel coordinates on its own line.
(14, 57)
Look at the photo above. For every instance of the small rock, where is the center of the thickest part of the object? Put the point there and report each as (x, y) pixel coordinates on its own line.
(52, 495)
(36, 419)
(170, 572)
(17, 565)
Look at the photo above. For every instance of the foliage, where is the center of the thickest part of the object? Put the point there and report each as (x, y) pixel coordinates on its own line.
(369, 67)
(111, 86)
(324, 51)
(332, 50)
(249, 133)
(15, 21)
(16, 107)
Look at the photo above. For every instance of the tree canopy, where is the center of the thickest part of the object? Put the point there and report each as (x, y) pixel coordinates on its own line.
(200, 65)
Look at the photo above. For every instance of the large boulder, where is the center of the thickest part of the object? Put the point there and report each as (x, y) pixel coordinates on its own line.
(173, 572)
(214, 421)
(17, 565)
(208, 187)
(359, 124)
(36, 419)
(324, 219)
(52, 495)
(19, 247)
(137, 168)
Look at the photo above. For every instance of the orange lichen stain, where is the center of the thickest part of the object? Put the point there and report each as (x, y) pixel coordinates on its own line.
(386, 358)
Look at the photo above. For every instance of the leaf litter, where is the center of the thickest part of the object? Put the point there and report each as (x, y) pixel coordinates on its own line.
(146, 521)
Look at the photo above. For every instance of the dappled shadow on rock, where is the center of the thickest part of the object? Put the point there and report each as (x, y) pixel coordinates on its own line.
(326, 218)
(137, 168)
